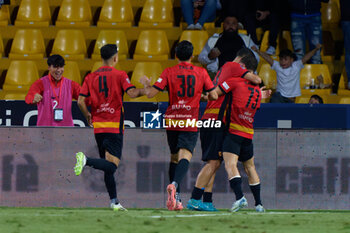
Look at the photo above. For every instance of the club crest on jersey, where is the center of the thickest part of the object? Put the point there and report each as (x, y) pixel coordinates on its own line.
(159, 80)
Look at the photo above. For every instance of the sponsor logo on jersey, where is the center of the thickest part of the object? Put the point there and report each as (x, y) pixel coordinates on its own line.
(225, 85)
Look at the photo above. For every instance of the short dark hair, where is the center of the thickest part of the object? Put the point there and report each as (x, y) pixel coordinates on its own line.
(230, 16)
(248, 58)
(55, 60)
(317, 97)
(108, 51)
(287, 53)
(184, 50)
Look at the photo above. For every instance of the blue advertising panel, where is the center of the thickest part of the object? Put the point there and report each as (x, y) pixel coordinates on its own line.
(270, 116)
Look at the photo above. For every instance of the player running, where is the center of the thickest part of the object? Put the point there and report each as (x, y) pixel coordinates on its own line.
(212, 138)
(105, 88)
(185, 83)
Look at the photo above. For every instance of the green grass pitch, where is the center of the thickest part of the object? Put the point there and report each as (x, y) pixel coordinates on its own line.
(101, 220)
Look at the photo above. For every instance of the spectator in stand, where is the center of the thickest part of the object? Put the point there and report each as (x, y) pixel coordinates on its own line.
(198, 12)
(53, 95)
(306, 25)
(255, 13)
(288, 74)
(345, 22)
(221, 48)
(315, 99)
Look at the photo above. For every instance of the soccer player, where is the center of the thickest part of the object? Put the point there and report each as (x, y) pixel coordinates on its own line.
(237, 144)
(185, 83)
(105, 88)
(211, 138)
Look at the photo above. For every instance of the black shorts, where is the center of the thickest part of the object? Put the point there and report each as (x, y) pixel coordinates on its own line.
(241, 146)
(111, 142)
(211, 143)
(181, 139)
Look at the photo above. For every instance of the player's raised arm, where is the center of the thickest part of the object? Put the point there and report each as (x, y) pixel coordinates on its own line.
(250, 76)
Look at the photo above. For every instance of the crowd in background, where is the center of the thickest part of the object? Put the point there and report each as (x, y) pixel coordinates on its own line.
(302, 18)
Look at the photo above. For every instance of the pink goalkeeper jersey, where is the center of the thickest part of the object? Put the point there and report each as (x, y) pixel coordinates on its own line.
(61, 99)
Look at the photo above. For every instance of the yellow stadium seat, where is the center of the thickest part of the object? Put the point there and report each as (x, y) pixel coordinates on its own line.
(319, 92)
(20, 75)
(111, 37)
(331, 99)
(259, 33)
(302, 99)
(311, 71)
(327, 99)
(343, 82)
(74, 13)
(269, 76)
(70, 44)
(152, 70)
(157, 13)
(1, 47)
(152, 45)
(4, 16)
(27, 44)
(98, 64)
(33, 13)
(344, 100)
(264, 42)
(13, 95)
(116, 14)
(287, 40)
(330, 13)
(338, 3)
(283, 42)
(72, 71)
(197, 38)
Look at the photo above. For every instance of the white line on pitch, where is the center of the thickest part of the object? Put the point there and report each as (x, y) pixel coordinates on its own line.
(188, 215)
(240, 213)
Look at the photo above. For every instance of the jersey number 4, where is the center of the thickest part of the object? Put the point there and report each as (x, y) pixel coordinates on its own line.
(253, 99)
(189, 81)
(102, 81)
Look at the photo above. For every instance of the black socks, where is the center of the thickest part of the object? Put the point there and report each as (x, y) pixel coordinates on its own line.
(197, 193)
(207, 197)
(181, 170)
(256, 193)
(101, 164)
(236, 186)
(109, 169)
